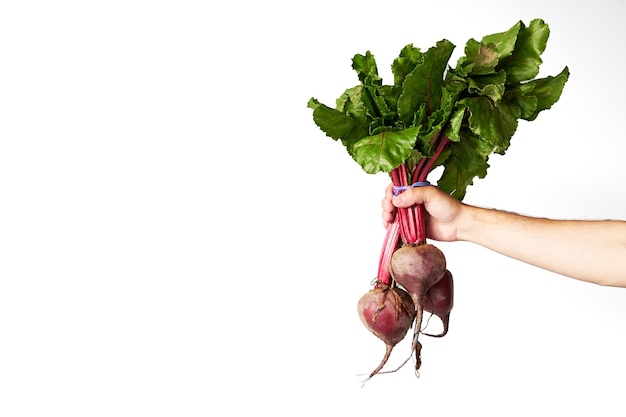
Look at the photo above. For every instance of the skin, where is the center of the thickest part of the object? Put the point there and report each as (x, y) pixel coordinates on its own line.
(589, 250)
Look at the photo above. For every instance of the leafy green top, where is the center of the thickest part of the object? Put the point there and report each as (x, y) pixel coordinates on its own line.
(475, 106)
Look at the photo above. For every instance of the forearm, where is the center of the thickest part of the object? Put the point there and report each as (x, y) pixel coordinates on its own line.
(593, 251)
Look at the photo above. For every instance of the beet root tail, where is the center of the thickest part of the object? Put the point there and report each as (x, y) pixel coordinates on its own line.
(416, 346)
(446, 323)
(388, 350)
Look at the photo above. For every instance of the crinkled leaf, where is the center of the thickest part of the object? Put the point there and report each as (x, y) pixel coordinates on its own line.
(538, 95)
(390, 94)
(423, 85)
(455, 84)
(434, 124)
(523, 64)
(366, 68)
(491, 86)
(453, 132)
(441, 115)
(351, 104)
(467, 159)
(479, 59)
(504, 42)
(492, 124)
(385, 151)
(336, 124)
(376, 105)
(402, 66)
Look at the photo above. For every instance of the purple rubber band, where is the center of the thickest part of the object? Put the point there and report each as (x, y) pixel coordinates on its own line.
(397, 189)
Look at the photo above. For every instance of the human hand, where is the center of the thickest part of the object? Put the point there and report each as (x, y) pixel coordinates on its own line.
(443, 211)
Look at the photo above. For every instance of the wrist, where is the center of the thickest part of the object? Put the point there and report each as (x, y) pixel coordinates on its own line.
(468, 222)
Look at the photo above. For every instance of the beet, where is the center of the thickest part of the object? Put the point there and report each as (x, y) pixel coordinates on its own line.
(439, 300)
(388, 313)
(417, 268)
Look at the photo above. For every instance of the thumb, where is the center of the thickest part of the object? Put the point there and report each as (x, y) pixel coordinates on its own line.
(408, 198)
(400, 200)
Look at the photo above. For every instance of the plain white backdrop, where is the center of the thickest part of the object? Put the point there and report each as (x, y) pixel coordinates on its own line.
(177, 237)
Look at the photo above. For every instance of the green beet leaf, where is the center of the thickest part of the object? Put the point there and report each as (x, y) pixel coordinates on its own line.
(467, 159)
(423, 85)
(495, 125)
(491, 86)
(538, 95)
(402, 66)
(351, 104)
(336, 124)
(384, 151)
(504, 43)
(479, 59)
(523, 64)
(366, 68)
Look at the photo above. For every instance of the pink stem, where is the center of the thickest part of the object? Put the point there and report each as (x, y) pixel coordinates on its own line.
(389, 246)
(400, 180)
(418, 169)
(423, 173)
(408, 215)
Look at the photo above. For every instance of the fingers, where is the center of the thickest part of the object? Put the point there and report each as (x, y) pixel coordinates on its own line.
(389, 192)
(417, 195)
(388, 211)
(408, 198)
(387, 206)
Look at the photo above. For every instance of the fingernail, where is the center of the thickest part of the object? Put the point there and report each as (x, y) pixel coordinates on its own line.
(399, 199)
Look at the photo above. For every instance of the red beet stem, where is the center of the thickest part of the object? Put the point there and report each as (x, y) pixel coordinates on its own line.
(389, 246)
(411, 230)
(424, 169)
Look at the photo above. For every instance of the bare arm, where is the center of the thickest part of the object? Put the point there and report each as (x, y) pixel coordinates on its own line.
(593, 251)
(588, 250)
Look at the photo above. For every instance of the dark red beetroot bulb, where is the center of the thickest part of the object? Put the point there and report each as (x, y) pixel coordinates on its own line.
(417, 268)
(388, 313)
(439, 300)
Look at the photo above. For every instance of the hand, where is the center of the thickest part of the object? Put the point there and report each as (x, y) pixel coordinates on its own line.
(443, 211)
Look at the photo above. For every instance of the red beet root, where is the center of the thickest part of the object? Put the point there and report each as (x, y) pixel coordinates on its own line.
(388, 313)
(439, 300)
(417, 268)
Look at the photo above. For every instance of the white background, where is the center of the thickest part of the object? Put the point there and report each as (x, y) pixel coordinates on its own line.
(177, 237)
